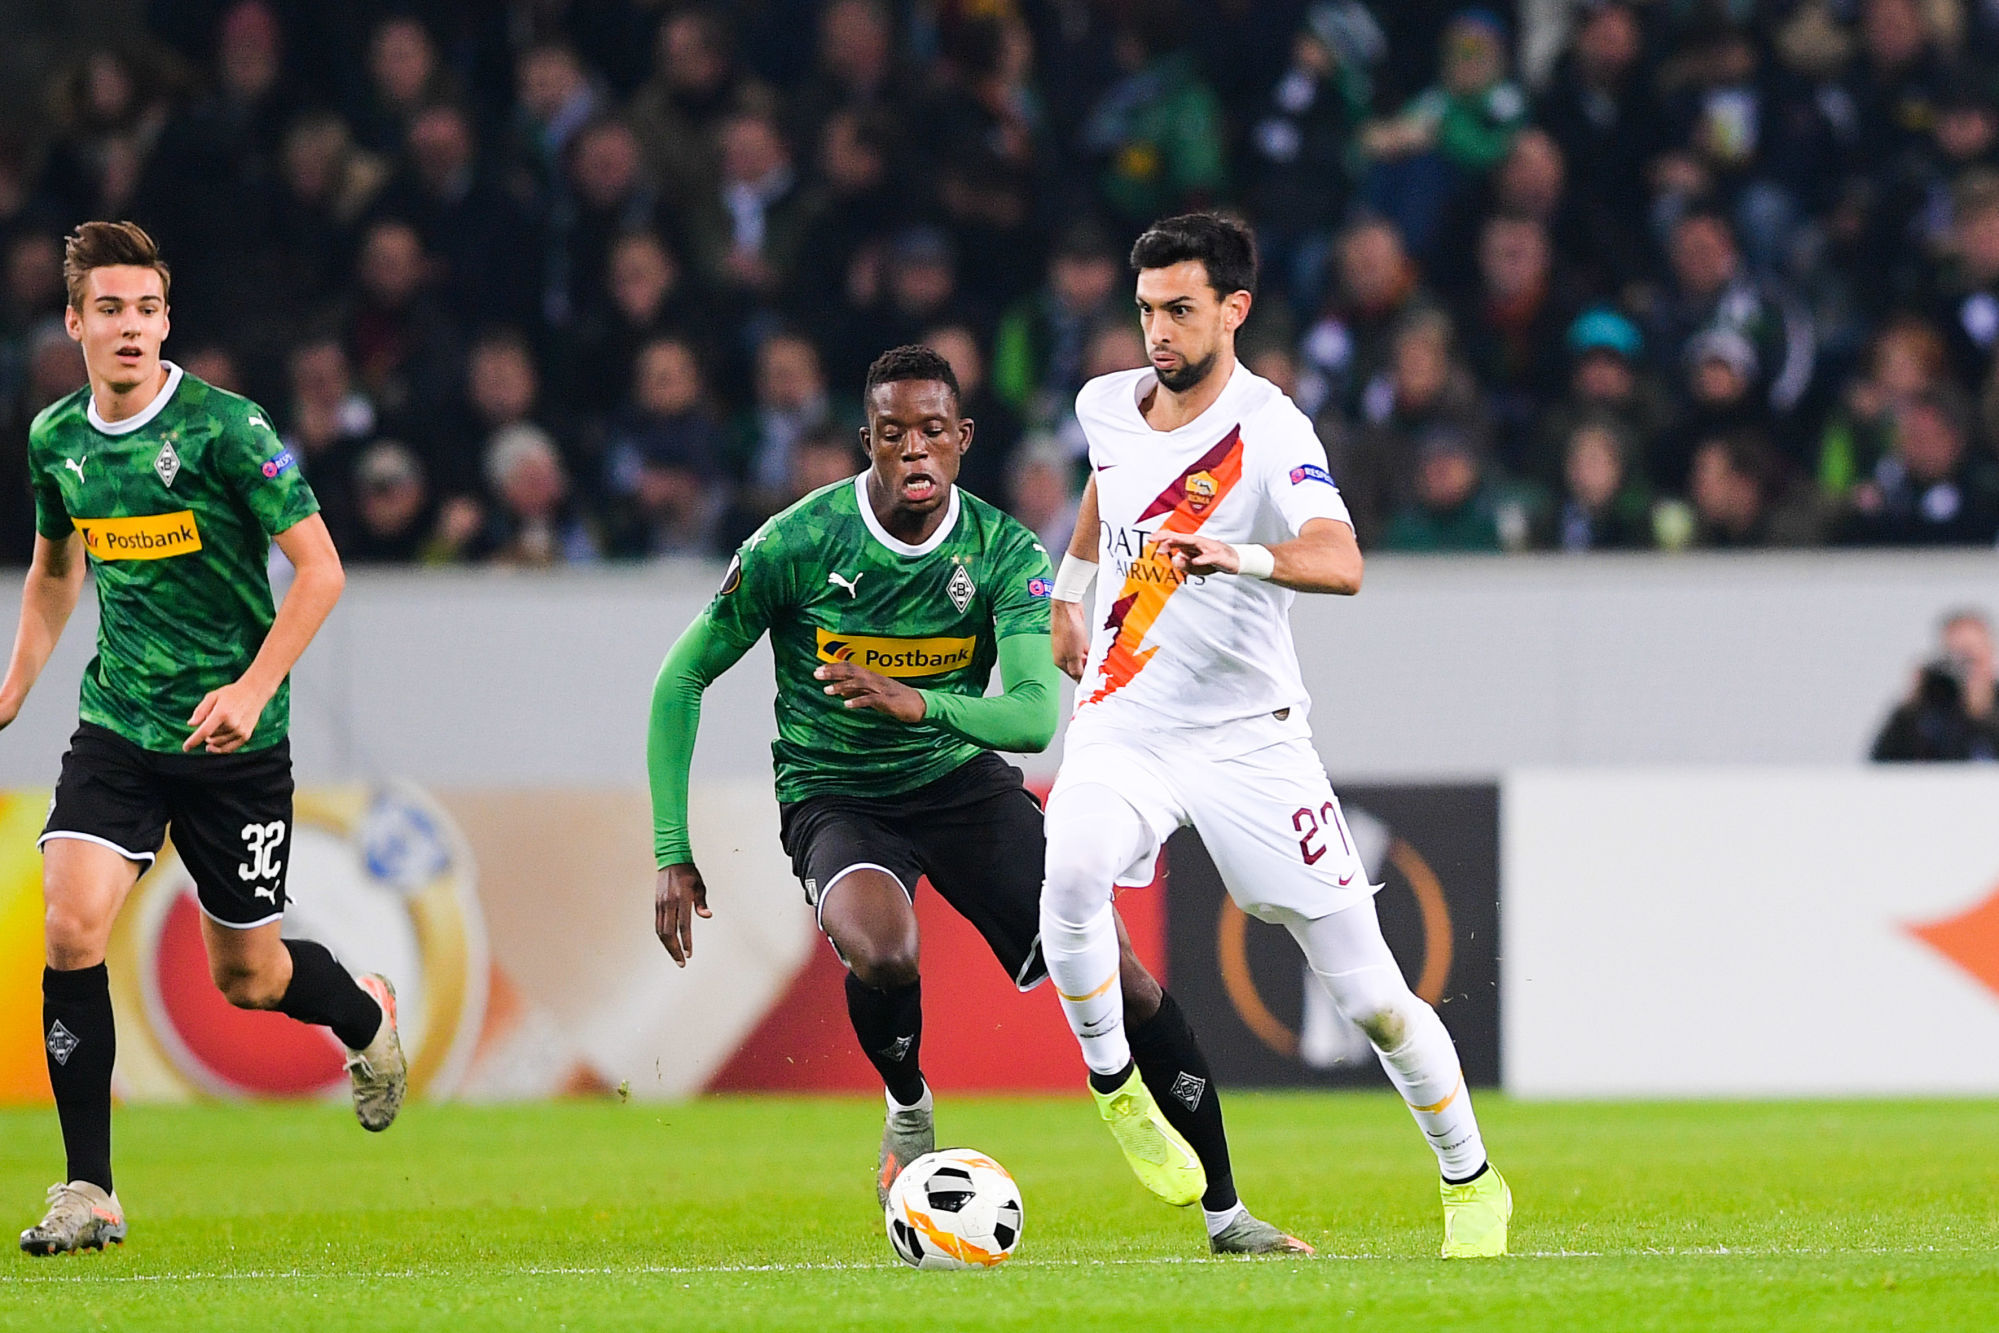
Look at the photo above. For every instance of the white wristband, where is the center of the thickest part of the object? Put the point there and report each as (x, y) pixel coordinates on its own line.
(1073, 579)
(1255, 562)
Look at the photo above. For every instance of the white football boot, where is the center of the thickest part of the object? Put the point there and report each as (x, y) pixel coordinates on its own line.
(380, 1074)
(81, 1217)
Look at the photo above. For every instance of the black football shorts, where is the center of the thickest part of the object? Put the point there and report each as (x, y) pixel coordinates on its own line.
(231, 816)
(975, 832)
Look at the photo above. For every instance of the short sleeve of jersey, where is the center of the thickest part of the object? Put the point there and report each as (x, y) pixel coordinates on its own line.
(1296, 477)
(263, 472)
(753, 592)
(51, 515)
(1020, 602)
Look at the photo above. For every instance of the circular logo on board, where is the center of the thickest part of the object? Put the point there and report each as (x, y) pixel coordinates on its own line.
(380, 876)
(1323, 1038)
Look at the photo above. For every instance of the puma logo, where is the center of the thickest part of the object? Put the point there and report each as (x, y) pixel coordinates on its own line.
(256, 419)
(842, 581)
(76, 465)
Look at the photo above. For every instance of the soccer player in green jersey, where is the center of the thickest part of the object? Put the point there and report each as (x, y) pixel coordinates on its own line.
(173, 491)
(889, 599)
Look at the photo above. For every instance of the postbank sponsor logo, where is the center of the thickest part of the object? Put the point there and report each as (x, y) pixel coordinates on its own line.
(897, 657)
(144, 537)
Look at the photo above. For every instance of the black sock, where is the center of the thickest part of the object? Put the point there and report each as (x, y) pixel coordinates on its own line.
(889, 1025)
(82, 1044)
(325, 993)
(1110, 1083)
(1173, 1067)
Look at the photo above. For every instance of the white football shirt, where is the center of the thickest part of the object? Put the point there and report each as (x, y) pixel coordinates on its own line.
(1198, 652)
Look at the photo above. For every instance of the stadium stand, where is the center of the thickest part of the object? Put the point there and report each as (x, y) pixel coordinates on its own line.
(541, 283)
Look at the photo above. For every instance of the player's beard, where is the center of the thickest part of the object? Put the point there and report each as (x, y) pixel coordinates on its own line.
(1189, 375)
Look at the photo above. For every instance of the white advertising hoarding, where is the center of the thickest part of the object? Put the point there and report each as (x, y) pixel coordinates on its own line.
(1750, 932)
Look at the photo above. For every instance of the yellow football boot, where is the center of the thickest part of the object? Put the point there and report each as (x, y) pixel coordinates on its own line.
(1475, 1217)
(1159, 1157)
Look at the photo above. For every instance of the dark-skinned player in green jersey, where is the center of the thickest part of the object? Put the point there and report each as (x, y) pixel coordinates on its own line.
(889, 599)
(173, 490)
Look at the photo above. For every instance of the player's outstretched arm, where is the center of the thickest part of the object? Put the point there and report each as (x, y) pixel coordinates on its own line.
(1022, 719)
(225, 718)
(1323, 557)
(55, 581)
(697, 657)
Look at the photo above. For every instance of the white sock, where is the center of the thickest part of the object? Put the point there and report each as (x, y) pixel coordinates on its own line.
(1093, 836)
(923, 1103)
(1083, 964)
(1218, 1222)
(1425, 1070)
(1346, 952)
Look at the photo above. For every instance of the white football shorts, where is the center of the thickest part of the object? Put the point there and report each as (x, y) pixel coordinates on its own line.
(1256, 793)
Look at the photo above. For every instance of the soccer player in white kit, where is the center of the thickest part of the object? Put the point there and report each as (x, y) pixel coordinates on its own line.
(1208, 508)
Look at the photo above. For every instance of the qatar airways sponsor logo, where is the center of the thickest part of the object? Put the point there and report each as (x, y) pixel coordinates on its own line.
(1132, 554)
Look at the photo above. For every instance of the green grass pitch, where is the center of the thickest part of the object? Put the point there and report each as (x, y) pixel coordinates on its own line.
(758, 1214)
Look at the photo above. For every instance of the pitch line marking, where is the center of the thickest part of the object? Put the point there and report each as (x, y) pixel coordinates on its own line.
(701, 1270)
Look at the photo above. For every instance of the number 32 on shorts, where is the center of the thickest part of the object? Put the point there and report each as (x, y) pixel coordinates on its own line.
(262, 841)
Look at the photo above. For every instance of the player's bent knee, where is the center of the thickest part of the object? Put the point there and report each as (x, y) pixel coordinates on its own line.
(1073, 899)
(1386, 1028)
(882, 959)
(1093, 835)
(1378, 1002)
(1142, 996)
(73, 939)
(886, 968)
(1078, 881)
(1142, 991)
(247, 987)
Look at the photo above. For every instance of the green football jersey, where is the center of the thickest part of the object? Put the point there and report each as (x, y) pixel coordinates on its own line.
(831, 585)
(176, 506)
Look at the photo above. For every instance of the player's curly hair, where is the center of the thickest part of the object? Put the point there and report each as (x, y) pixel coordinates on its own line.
(108, 245)
(1224, 245)
(911, 362)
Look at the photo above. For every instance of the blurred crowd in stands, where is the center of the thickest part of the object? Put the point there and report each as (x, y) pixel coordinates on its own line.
(544, 281)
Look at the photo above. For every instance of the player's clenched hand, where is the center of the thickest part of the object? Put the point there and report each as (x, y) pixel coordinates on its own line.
(678, 897)
(1193, 554)
(862, 688)
(1071, 638)
(224, 718)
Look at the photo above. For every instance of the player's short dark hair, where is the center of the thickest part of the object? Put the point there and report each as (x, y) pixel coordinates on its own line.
(1222, 244)
(911, 362)
(108, 245)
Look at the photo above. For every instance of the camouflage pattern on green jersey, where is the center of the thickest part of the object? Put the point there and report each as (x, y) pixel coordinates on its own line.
(176, 507)
(830, 587)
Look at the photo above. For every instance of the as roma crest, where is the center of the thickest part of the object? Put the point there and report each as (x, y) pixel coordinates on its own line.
(1201, 488)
